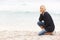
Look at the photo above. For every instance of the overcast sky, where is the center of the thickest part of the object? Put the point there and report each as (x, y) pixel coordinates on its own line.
(28, 5)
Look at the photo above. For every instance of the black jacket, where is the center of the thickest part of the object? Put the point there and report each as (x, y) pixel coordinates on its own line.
(49, 24)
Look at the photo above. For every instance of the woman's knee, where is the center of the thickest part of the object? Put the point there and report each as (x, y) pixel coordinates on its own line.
(40, 23)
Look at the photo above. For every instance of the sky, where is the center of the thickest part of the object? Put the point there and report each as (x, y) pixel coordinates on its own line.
(29, 5)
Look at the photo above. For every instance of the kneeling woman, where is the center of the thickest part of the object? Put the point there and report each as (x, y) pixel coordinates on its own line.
(45, 22)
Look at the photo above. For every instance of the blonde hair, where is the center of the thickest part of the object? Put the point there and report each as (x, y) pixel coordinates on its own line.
(43, 7)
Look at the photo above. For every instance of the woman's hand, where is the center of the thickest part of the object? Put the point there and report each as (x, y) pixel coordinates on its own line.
(41, 27)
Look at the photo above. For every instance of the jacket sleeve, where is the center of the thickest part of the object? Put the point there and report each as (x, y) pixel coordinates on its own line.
(41, 17)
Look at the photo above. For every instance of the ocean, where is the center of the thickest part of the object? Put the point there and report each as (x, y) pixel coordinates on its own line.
(24, 21)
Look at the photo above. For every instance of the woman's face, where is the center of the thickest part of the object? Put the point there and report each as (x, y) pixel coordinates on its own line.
(42, 9)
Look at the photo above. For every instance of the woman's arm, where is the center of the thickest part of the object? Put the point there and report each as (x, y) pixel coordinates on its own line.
(41, 17)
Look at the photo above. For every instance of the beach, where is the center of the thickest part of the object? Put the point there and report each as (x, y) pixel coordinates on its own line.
(23, 26)
(18, 19)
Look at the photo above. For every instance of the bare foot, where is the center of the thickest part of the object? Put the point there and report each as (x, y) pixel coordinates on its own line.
(48, 33)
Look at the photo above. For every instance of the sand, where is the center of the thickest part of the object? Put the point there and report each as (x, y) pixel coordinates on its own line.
(27, 35)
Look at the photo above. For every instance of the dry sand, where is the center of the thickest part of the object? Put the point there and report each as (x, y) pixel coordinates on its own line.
(26, 35)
